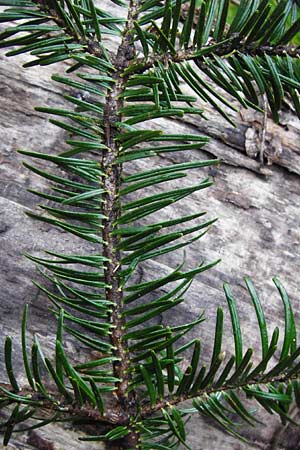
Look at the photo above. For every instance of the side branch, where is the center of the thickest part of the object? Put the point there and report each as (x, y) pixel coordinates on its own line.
(92, 46)
(57, 405)
(171, 400)
(222, 50)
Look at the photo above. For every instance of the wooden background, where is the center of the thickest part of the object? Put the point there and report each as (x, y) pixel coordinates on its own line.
(257, 234)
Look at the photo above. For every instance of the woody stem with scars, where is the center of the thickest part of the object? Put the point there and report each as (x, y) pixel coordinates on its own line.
(112, 210)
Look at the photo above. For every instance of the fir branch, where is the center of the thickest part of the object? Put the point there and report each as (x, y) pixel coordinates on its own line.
(141, 368)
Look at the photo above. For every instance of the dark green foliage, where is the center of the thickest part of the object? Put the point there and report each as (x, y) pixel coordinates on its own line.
(95, 297)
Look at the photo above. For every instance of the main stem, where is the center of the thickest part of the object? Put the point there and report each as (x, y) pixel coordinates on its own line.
(112, 211)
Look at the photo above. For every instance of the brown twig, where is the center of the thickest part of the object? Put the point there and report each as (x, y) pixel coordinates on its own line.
(112, 210)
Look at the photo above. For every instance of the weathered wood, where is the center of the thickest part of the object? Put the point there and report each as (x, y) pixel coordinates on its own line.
(257, 234)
